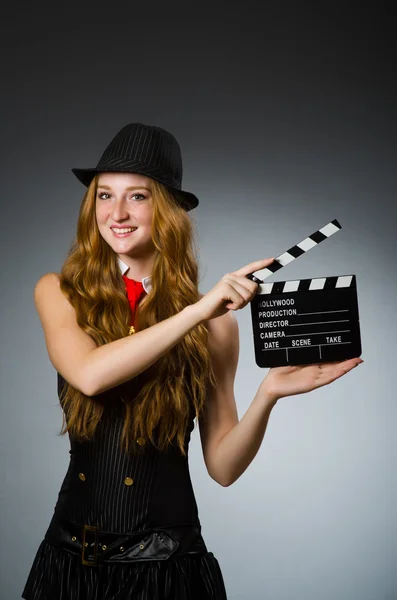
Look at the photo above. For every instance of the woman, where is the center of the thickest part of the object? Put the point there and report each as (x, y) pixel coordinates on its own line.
(131, 382)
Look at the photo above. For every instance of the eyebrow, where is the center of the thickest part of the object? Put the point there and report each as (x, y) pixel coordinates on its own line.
(131, 187)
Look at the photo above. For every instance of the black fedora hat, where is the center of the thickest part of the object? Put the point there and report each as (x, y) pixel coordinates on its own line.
(147, 150)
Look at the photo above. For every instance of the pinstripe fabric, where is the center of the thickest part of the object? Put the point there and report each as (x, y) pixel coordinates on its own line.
(137, 146)
(124, 493)
(103, 499)
(145, 146)
(148, 150)
(94, 492)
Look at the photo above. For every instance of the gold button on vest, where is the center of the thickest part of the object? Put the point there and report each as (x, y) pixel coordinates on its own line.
(128, 481)
(141, 441)
(82, 476)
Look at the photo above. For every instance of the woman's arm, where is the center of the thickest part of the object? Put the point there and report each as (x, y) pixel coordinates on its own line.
(230, 445)
(94, 369)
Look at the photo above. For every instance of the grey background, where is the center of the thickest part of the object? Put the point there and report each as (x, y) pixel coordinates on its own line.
(286, 121)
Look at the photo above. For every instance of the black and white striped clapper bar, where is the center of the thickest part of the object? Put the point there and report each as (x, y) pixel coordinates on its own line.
(305, 321)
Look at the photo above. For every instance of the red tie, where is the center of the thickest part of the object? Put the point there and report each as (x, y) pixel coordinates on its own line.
(135, 291)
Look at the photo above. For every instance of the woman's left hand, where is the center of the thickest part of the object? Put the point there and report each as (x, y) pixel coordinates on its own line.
(289, 381)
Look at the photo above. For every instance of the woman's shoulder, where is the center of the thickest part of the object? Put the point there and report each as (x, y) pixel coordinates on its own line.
(47, 288)
(223, 333)
(48, 279)
(224, 325)
(223, 341)
(47, 291)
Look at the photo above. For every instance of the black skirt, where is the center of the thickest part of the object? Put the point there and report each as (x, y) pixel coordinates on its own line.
(84, 562)
(59, 575)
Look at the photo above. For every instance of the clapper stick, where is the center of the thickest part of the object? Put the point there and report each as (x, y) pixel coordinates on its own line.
(280, 261)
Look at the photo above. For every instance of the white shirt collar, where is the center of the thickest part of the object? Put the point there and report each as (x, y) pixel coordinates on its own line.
(146, 281)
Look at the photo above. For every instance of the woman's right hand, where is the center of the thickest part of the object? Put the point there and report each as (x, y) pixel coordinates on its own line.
(232, 292)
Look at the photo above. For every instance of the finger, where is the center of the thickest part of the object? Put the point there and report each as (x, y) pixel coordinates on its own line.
(242, 290)
(331, 376)
(345, 365)
(254, 266)
(250, 286)
(329, 372)
(233, 298)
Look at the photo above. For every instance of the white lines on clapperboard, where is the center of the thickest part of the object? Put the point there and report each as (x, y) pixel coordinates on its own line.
(310, 242)
(311, 346)
(318, 333)
(323, 312)
(318, 323)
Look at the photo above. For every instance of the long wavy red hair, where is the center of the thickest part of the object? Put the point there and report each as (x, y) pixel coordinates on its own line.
(159, 408)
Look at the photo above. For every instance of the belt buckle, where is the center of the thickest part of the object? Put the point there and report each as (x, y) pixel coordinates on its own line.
(90, 532)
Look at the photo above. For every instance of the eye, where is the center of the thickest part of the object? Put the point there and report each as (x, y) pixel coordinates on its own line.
(102, 194)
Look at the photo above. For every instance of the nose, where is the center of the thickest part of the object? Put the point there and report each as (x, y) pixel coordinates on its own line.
(119, 211)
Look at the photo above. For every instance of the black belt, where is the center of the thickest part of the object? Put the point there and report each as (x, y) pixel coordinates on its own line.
(96, 546)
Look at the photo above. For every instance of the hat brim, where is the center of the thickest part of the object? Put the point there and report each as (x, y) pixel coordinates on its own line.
(186, 199)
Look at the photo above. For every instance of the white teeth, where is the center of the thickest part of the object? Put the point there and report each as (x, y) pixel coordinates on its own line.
(124, 230)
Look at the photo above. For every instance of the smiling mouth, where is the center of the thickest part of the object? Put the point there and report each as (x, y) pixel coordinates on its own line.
(123, 231)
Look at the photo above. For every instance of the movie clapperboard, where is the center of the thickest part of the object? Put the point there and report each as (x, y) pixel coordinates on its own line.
(305, 321)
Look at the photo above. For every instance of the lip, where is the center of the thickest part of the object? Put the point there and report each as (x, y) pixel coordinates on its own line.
(123, 235)
(121, 226)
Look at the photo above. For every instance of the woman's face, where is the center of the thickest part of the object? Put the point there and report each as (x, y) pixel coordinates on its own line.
(124, 200)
